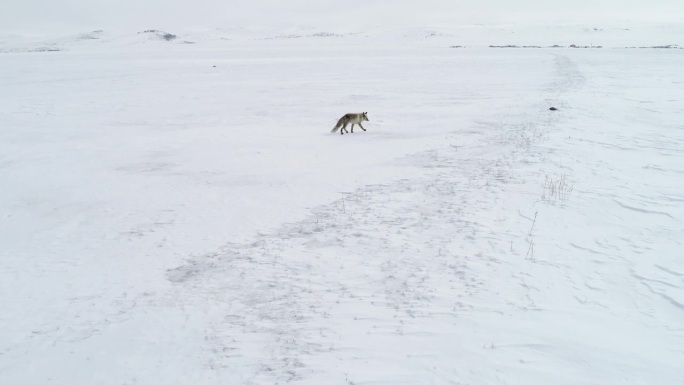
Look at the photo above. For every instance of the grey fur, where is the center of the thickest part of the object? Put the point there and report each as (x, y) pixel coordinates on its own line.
(350, 119)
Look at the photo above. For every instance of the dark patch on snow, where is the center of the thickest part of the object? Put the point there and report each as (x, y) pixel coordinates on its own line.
(93, 35)
(325, 34)
(45, 49)
(551, 46)
(585, 46)
(666, 46)
(290, 36)
(161, 35)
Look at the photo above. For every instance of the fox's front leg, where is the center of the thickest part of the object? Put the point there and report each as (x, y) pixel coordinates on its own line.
(352, 128)
(361, 127)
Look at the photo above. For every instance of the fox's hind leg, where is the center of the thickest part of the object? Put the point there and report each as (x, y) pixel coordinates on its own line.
(343, 129)
(361, 127)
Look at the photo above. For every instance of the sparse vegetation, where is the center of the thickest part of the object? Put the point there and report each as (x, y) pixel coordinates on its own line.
(556, 189)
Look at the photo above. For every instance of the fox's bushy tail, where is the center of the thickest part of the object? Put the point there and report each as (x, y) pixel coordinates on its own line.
(337, 126)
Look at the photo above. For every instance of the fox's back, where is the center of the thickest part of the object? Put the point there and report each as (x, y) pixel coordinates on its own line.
(353, 118)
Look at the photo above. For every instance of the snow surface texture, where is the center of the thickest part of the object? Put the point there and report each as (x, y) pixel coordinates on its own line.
(179, 213)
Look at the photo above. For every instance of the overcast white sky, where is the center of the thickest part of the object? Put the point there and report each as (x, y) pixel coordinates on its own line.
(126, 14)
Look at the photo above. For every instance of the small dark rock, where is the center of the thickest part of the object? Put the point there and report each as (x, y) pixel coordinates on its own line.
(553, 109)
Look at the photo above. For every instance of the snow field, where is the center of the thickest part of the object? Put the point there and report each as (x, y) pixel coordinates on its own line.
(183, 215)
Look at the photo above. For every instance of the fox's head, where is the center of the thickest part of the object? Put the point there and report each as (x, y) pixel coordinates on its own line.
(365, 116)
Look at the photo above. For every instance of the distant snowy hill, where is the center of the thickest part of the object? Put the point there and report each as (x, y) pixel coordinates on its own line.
(592, 35)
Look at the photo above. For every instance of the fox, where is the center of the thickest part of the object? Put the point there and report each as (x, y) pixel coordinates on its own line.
(350, 118)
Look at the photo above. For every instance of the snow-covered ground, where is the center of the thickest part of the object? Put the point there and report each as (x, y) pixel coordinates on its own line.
(176, 213)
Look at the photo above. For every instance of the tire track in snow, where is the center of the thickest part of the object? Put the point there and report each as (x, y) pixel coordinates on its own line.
(375, 246)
